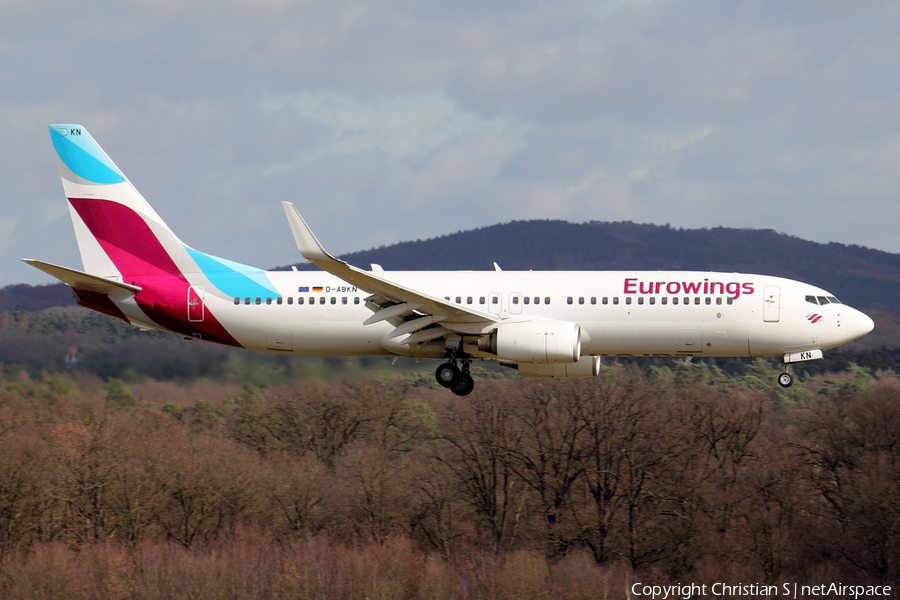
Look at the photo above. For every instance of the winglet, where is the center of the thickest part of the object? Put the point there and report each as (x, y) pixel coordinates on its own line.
(313, 251)
(307, 243)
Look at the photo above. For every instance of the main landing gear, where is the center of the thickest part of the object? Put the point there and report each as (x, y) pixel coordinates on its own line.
(786, 379)
(457, 380)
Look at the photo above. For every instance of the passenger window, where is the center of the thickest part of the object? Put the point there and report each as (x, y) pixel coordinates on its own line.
(628, 300)
(833, 300)
(237, 301)
(593, 299)
(823, 300)
(664, 300)
(344, 300)
(322, 300)
(697, 300)
(458, 300)
(615, 299)
(708, 300)
(537, 300)
(640, 299)
(333, 300)
(356, 300)
(279, 300)
(652, 300)
(300, 300)
(569, 300)
(730, 300)
(546, 299)
(719, 301)
(468, 299)
(269, 300)
(481, 300)
(290, 299)
(246, 300)
(605, 300)
(687, 300)
(675, 300)
(526, 300)
(580, 299)
(495, 300)
(258, 300)
(515, 299)
(811, 299)
(447, 298)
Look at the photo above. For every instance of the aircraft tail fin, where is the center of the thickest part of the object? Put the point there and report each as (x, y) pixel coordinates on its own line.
(118, 232)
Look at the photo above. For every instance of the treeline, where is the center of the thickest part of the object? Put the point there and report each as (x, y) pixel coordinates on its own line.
(81, 341)
(396, 489)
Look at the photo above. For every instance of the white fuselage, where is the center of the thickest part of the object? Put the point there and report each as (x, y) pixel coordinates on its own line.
(633, 313)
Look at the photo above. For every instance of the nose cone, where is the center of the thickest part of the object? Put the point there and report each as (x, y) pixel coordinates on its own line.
(857, 324)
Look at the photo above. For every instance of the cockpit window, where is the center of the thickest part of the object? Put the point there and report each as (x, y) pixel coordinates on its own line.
(823, 300)
(833, 300)
(811, 299)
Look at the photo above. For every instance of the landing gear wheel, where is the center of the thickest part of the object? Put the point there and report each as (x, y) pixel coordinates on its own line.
(447, 375)
(464, 386)
(785, 380)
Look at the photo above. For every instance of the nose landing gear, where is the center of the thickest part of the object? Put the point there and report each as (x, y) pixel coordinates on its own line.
(786, 379)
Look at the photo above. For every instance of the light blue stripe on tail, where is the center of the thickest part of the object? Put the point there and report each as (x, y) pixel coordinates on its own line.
(81, 154)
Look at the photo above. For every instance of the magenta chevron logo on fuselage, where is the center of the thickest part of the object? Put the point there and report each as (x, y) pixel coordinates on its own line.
(813, 317)
(142, 260)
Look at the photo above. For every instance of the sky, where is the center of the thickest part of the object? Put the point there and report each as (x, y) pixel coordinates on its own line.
(394, 121)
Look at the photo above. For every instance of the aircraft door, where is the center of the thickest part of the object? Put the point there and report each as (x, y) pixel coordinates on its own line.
(494, 303)
(771, 304)
(195, 308)
(515, 303)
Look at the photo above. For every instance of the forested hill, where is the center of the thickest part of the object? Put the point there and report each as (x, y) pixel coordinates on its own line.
(859, 276)
(35, 297)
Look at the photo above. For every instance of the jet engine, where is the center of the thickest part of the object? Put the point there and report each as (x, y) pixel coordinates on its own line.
(534, 342)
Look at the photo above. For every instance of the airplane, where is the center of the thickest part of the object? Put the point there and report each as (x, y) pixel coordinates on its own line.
(555, 324)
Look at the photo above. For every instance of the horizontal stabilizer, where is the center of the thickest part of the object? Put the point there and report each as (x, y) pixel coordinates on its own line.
(84, 281)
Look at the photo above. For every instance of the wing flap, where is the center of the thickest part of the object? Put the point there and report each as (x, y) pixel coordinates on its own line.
(84, 281)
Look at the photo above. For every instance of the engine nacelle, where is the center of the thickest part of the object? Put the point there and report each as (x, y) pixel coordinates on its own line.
(534, 342)
(587, 366)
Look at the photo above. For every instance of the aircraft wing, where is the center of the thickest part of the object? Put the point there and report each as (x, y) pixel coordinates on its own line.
(438, 308)
(84, 281)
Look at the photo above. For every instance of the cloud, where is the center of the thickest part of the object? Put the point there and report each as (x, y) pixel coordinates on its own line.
(399, 126)
(388, 121)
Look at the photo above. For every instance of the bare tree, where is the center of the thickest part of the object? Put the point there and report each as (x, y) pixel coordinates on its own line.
(477, 430)
(548, 453)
